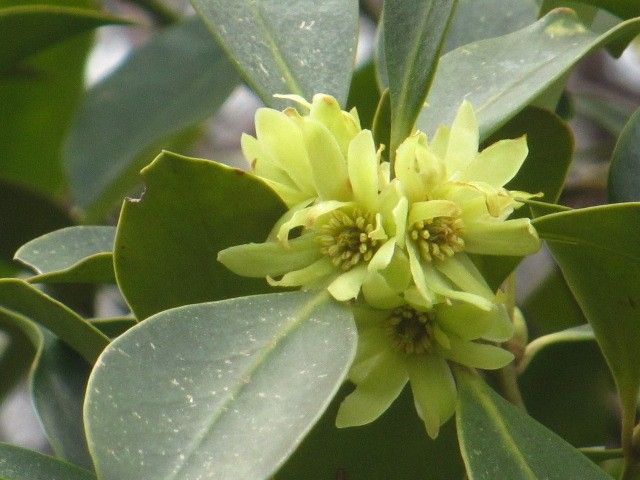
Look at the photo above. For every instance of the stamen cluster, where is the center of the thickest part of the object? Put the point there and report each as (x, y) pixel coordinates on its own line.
(345, 238)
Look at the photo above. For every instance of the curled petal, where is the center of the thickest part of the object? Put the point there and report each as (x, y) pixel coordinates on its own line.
(463, 273)
(511, 237)
(306, 217)
(348, 284)
(431, 209)
(439, 285)
(498, 163)
(477, 355)
(470, 323)
(305, 276)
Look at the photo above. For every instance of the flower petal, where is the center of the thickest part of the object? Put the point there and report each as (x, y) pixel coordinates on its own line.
(307, 217)
(477, 355)
(328, 164)
(417, 271)
(282, 139)
(511, 237)
(362, 163)
(463, 273)
(348, 284)
(379, 294)
(498, 163)
(383, 256)
(270, 258)
(374, 393)
(342, 125)
(304, 276)
(431, 209)
(440, 141)
(406, 167)
(434, 390)
(463, 139)
(439, 285)
(468, 322)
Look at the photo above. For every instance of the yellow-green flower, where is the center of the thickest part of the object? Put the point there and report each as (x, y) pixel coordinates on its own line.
(328, 171)
(409, 344)
(458, 205)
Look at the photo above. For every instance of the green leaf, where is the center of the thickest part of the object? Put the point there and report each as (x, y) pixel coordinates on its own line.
(364, 94)
(551, 306)
(382, 122)
(624, 173)
(622, 8)
(167, 242)
(303, 47)
(20, 297)
(610, 114)
(218, 390)
(21, 464)
(34, 28)
(414, 31)
(493, 19)
(501, 76)
(24, 342)
(71, 255)
(498, 440)
(18, 203)
(40, 99)
(550, 143)
(168, 85)
(566, 379)
(597, 251)
(114, 326)
(395, 446)
(58, 383)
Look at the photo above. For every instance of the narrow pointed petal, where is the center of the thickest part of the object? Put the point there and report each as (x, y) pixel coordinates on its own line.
(363, 170)
(289, 195)
(328, 164)
(502, 328)
(511, 237)
(282, 139)
(304, 276)
(498, 163)
(383, 256)
(463, 273)
(415, 299)
(440, 141)
(463, 139)
(306, 217)
(374, 394)
(468, 322)
(477, 355)
(342, 126)
(270, 258)
(431, 209)
(261, 163)
(406, 169)
(417, 271)
(439, 285)
(348, 284)
(379, 294)
(434, 390)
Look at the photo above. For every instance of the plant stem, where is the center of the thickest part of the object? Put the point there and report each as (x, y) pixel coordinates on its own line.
(160, 12)
(508, 383)
(600, 454)
(631, 469)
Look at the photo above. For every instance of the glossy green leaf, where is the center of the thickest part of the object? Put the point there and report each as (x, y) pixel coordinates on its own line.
(394, 446)
(18, 203)
(500, 76)
(493, 18)
(20, 297)
(39, 99)
(624, 173)
(381, 127)
(71, 255)
(21, 464)
(414, 31)
(58, 383)
(498, 440)
(168, 85)
(364, 94)
(217, 390)
(597, 251)
(167, 242)
(114, 326)
(34, 28)
(302, 47)
(566, 379)
(622, 8)
(550, 143)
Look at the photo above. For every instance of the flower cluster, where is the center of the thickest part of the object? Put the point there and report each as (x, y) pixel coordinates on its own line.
(395, 244)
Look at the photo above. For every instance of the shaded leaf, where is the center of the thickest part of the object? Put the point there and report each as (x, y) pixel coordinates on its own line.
(622, 8)
(21, 464)
(74, 254)
(597, 251)
(114, 326)
(624, 172)
(167, 242)
(168, 85)
(222, 390)
(364, 94)
(498, 440)
(500, 76)
(34, 28)
(20, 297)
(395, 446)
(414, 31)
(303, 47)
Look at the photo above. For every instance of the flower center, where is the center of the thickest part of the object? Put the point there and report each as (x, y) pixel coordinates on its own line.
(345, 238)
(410, 330)
(438, 237)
